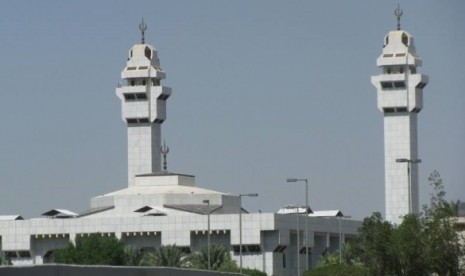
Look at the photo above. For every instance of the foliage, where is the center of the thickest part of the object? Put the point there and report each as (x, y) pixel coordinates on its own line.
(4, 260)
(220, 259)
(93, 250)
(252, 272)
(421, 245)
(444, 249)
(167, 255)
(338, 270)
(329, 259)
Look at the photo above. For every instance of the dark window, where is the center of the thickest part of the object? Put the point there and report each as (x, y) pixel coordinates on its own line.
(284, 260)
(388, 70)
(144, 82)
(143, 120)
(401, 70)
(133, 83)
(131, 121)
(386, 41)
(404, 39)
(386, 84)
(399, 84)
(413, 70)
(130, 53)
(143, 67)
(129, 96)
(140, 96)
(155, 82)
(401, 109)
(388, 110)
(148, 52)
(158, 121)
(132, 68)
(388, 55)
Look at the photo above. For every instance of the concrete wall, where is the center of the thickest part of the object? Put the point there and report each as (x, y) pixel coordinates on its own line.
(72, 270)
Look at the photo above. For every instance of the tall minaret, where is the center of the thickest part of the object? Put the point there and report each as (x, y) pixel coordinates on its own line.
(400, 98)
(144, 107)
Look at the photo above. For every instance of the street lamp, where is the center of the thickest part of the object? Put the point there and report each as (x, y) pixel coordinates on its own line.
(306, 215)
(409, 175)
(207, 201)
(340, 215)
(240, 227)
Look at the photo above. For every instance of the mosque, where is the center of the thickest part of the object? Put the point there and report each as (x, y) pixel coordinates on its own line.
(160, 207)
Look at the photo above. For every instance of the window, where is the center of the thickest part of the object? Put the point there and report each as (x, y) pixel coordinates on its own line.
(401, 109)
(421, 85)
(388, 55)
(129, 96)
(401, 70)
(143, 67)
(143, 120)
(133, 83)
(388, 110)
(148, 52)
(131, 120)
(385, 84)
(144, 82)
(405, 39)
(399, 84)
(386, 40)
(413, 70)
(388, 70)
(140, 96)
(132, 68)
(400, 55)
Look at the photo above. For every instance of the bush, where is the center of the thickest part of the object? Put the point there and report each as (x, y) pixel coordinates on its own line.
(338, 270)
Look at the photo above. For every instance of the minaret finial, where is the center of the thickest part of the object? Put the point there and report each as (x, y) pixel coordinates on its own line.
(142, 28)
(398, 13)
(164, 150)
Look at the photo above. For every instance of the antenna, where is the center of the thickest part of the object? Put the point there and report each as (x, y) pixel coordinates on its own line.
(164, 150)
(398, 13)
(143, 28)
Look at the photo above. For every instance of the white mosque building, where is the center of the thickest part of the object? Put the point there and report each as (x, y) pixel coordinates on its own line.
(164, 208)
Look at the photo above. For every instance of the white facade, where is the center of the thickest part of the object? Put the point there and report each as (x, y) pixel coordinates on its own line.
(400, 98)
(162, 208)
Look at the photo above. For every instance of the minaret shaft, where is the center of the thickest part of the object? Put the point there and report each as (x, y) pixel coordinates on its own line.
(400, 141)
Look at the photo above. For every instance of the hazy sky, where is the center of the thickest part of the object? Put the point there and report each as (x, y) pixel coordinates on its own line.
(262, 91)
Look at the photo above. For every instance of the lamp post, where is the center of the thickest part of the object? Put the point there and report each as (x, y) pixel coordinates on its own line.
(409, 175)
(207, 201)
(340, 235)
(240, 227)
(306, 215)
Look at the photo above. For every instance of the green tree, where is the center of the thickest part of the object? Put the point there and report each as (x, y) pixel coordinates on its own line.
(422, 244)
(93, 250)
(338, 270)
(220, 259)
(166, 255)
(409, 247)
(444, 249)
(372, 246)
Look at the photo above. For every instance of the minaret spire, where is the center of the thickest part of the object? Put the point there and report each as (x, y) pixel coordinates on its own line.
(398, 13)
(143, 28)
(164, 151)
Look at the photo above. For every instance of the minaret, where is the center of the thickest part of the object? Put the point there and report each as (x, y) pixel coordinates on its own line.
(143, 107)
(400, 98)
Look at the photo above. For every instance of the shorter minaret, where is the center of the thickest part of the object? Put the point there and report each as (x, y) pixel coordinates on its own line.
(144, 107)
(400, 98)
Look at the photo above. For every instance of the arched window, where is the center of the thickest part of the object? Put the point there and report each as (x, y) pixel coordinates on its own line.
(404, 39)
(148, 52)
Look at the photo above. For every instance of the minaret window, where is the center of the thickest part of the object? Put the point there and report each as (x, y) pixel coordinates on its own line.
(413, 70)
(389, 70)
(133, 83)
(399, 84)
(401, 70)
(404, 39)
(148, 53)
(144, 82)
(386, 41)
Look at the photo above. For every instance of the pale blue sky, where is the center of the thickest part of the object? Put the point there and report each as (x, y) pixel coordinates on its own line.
(262, 91)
